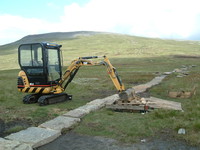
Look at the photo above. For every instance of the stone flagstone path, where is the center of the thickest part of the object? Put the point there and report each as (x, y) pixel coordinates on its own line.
(34, 137)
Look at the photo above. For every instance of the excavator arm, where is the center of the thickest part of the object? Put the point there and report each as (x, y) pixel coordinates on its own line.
(86, 61)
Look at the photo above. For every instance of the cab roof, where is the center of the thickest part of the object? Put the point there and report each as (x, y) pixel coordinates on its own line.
(51, 45)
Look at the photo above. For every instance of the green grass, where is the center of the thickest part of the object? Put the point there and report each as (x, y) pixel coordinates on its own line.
(14, 129)
(126, 127)
(112, 45)
(137, 60)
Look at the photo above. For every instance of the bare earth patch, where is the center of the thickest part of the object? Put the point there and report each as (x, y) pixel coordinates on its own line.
(76, 141)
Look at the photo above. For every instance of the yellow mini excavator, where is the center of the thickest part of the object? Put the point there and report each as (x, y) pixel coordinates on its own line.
(41, 73)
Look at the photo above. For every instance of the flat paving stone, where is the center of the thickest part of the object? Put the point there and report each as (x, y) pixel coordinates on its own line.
(76, 113)
(80, 112)
(89, 107)
(34, 136)
(13, 145)
(143, 87)
(111, 99)
(140, 88)
(156, 80)
(99, 102)
(94, 105)
(60, 123)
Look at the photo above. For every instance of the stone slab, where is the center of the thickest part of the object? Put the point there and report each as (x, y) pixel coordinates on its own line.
(143, 87)
(34, 136)
(111, 99)
(140, 88)
(13, 145)
(164, 104)
(60, 123)
(76, 113)
(155, 81)
(80, 112)
(92, 106)
(99, 102)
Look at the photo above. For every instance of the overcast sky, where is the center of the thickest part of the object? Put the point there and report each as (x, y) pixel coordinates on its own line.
(174, 19)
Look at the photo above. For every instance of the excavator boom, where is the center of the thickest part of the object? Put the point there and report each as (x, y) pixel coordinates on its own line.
(86, 61)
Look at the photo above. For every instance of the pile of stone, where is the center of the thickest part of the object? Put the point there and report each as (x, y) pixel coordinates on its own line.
(182, 93)
(142, 104)
(183, 71)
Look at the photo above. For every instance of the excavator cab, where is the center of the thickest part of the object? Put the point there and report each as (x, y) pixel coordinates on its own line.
(41, 62)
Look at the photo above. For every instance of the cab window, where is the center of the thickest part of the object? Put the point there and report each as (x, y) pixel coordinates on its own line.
(53, 64)
(31, 55)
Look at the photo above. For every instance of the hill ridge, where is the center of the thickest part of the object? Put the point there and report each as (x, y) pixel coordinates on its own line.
(52, 36)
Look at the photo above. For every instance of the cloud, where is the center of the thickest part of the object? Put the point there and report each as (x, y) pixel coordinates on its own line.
(155, 18)
(163, 19)
(14, 27)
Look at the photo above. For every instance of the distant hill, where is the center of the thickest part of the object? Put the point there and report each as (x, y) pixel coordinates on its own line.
(54, 36)
(47, 37)
(88, 43)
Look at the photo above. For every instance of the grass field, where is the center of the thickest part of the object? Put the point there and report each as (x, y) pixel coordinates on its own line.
(136, 59)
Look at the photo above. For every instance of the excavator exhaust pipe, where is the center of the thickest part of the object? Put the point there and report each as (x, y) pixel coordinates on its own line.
(127, 95)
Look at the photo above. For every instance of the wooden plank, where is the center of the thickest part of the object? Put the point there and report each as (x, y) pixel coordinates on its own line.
(129, 108)
(152, 103)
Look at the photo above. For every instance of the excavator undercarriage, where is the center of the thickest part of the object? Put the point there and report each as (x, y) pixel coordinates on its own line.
(46, 99)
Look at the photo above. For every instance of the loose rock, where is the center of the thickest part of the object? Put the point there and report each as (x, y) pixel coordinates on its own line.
(181, 131)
